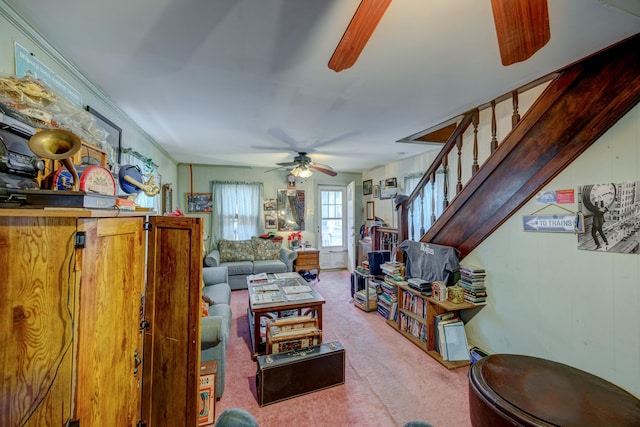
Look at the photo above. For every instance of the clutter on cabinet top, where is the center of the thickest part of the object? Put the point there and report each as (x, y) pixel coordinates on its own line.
(33, 102)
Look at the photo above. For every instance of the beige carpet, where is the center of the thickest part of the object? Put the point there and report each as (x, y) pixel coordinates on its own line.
(389, 381)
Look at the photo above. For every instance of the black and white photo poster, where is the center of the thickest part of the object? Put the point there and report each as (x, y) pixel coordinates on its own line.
(611, 216)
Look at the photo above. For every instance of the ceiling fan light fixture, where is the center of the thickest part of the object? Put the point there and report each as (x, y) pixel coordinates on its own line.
(301, 172)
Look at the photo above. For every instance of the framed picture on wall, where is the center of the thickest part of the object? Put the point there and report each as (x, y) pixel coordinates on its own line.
(270, 204)
(371, 214)
(270, 221)
(366, 187)
(376, 191)
(114, 133)
(199, 202)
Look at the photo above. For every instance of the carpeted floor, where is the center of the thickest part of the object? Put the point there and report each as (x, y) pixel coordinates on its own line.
(388, 382)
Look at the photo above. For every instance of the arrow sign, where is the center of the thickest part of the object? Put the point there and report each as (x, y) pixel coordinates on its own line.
(565, 223)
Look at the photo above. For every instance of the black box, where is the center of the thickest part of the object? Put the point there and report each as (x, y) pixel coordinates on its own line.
(376, 259)
(285, 375)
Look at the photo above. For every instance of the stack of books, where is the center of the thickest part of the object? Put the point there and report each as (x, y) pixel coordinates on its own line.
(420, 285)
(364, 300)
(387, 299)
(394, 269)
(472, 281)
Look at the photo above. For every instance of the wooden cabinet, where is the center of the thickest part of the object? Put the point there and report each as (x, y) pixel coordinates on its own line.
(308, 259)
(415, 320)
(74, 285)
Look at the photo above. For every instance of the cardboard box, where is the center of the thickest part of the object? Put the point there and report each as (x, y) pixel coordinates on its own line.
(207, 404)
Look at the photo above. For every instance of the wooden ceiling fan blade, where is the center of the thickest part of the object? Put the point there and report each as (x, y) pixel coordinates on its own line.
(287, 164)
(354, 39)
(322, 168)
(522, 27)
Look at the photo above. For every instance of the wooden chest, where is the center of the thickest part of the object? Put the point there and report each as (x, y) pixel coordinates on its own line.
(286, 375)
(293, 333)
(308, 259)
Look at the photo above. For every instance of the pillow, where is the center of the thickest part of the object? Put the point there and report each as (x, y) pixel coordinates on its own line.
(235, 250)
(266, 249)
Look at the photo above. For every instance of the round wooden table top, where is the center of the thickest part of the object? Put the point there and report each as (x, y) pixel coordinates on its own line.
(530, 389)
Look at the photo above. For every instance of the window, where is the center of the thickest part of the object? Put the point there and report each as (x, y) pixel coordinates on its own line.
(236, 210)
(331, 218)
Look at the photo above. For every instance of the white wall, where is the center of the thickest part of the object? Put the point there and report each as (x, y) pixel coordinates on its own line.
(14, 29)
(202, 175)
(548, 299)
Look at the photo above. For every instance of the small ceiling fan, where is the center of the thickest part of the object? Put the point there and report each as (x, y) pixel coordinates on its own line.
(522, 28)
(303, 166)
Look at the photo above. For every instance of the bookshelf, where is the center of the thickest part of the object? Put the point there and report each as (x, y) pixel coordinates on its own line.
(415, 320)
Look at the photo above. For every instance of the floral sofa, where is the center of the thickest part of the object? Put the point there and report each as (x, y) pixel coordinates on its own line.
(246, 257)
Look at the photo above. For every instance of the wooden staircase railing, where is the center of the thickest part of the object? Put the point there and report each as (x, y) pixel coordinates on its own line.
(581, 102)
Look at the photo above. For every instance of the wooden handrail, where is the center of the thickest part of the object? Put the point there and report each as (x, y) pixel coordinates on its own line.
(580, 103)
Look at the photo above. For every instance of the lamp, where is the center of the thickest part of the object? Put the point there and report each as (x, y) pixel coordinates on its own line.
(301, 171)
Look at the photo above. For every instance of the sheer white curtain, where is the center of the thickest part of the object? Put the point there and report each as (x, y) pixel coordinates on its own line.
(236, 210)
(422, 207)
(142, 199)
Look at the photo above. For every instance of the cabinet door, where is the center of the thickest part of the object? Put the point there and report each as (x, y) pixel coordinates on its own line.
(109, 337)
(36, 325)
(172, 342)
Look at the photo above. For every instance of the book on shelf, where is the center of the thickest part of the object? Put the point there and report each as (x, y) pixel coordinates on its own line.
(436, 321)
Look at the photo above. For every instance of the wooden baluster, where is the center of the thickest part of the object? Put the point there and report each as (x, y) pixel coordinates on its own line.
(515, 117)
(422, 231)
(433, 198)
(494, 126)
(475, 120)
(459, 145)
(411, 227)
(445, 190)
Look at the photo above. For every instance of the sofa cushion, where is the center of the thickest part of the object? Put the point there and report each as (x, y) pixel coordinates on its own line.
(240, 267)
(265, 249)
(235, 250)
(269, 266)
(219, 293)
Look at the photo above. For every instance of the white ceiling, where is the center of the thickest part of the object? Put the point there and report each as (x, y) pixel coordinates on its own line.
(246, 82)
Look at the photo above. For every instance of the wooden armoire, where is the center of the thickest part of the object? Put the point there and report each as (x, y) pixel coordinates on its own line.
(100, 318)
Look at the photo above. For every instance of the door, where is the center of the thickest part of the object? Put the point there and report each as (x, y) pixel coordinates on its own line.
(37, 322)
(332, 230)
(109, 340)
(351, 231)
(172, 308)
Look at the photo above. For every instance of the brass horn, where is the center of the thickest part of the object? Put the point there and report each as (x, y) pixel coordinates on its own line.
(57, 144)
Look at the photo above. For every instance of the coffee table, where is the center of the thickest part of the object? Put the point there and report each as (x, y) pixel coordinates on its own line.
(312, 304)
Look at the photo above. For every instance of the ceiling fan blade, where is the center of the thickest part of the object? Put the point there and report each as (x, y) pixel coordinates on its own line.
(283, 136)
(358, 32)
(522, 27)
(322, 168)
(274, 169)
(287, 164)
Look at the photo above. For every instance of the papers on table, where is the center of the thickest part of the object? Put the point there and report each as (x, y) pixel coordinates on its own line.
(298, 297)
(266, 298)
(287, 275)
(258, 279)
(296, 289)
(265, 288)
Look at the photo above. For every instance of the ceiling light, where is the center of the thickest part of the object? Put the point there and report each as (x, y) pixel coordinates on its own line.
(301, 171)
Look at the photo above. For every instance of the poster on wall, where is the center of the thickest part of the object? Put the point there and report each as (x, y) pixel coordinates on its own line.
(611, 216)
(291, 210)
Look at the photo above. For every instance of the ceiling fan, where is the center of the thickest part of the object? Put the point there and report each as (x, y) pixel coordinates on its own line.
(303, 166)
(522, 28)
